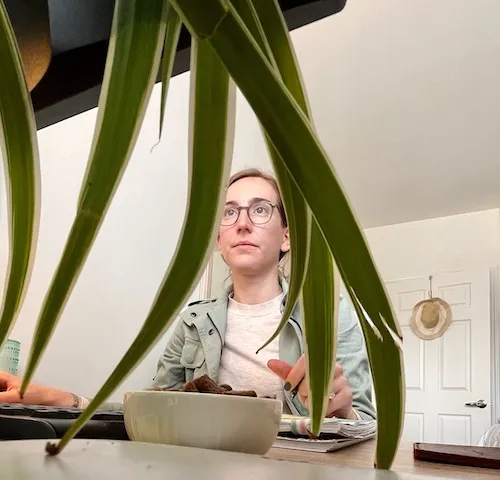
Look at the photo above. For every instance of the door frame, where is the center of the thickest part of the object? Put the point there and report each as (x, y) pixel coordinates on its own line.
(494, 272)
(206, 280)
(495, 343)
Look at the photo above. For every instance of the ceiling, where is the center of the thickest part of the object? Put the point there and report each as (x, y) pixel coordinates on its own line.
(406, 99)
(79, 33)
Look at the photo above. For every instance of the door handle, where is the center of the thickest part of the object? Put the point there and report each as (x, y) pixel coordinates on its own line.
(479, 404)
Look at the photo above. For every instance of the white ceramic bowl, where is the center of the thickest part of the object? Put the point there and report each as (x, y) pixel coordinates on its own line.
(202, 420)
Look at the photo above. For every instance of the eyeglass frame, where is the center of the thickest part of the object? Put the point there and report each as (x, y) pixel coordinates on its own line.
(240, 208)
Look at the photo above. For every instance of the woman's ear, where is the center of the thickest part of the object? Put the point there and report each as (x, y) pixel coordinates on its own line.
(285, 245)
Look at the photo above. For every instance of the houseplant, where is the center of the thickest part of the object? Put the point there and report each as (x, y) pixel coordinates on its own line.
(241, 43)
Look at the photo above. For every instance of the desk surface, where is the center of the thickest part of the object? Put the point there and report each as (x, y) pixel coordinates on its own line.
(362, 454)
(104, 459)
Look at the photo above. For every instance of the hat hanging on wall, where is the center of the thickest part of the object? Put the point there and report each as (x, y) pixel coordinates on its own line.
(431, 317)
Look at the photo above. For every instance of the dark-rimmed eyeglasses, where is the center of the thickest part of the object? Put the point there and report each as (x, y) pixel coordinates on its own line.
(259, 213)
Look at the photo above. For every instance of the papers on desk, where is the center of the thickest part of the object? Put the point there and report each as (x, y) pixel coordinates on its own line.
(300, 426)
(336, 433)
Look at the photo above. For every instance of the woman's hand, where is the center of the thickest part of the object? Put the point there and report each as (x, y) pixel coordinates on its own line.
(340, 405)
(35, 394)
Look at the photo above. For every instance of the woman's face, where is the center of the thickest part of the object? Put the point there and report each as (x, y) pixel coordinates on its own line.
(248, 248)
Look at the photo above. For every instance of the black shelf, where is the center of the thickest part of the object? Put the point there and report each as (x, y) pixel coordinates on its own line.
(79, 34)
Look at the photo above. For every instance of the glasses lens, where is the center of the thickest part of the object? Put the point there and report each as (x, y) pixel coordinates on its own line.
(229, 215)
(260, 213)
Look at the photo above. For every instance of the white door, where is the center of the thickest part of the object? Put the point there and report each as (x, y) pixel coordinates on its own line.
(444, 374)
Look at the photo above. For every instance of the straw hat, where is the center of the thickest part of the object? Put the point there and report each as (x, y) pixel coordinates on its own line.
(430, 318)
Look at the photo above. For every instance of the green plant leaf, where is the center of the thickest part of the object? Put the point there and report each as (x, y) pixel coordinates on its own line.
(299, 227)
(134, 54)
(296, 142)
(265, 22)
(211, 135)
(278, 39)
(172, 32)
(320, 305)
(297, 212)
(19, 148)
(318, 274)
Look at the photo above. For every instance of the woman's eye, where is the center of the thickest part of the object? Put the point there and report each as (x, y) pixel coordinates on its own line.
(260, 210)
(229, 213)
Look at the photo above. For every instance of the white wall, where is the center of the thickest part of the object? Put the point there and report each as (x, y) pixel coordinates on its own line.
(132, 251)
(438, 245)
(134, 246)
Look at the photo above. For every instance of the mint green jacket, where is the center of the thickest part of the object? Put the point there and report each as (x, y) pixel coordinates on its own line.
(195, 348)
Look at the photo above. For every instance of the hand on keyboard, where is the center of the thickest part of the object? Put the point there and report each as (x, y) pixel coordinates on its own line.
(35, 394)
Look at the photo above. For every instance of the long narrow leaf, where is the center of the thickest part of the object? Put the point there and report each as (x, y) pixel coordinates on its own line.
(280, 44)
(295, 140)
(172, 32)
(297, 212)
(320, 276)
(320, 304)
(137, 36)
(264, 21)
(19, 150)
(211, 135)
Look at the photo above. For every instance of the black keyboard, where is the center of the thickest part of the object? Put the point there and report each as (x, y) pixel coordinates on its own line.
(35, 422)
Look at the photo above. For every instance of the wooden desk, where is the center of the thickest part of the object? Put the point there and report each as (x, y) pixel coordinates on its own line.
(362, 454)
(105, 459)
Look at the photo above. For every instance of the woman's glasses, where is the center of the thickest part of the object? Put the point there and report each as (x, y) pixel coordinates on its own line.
(259, 213)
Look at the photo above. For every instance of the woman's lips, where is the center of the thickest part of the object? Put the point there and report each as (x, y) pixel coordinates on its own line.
(245, 245)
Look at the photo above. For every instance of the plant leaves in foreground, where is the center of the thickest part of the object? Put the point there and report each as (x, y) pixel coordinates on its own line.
(19, 149)
(296, 142)
(134, 53)
(264, 20)
(297, 212)
(320, 282)
(211, 134)
(320, 304)
(172, 32)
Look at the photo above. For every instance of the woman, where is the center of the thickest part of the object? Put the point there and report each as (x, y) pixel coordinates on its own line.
(220, 337)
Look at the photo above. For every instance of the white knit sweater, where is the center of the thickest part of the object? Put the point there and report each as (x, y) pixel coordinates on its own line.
(248, 328)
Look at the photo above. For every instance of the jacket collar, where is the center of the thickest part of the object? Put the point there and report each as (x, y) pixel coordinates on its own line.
(219, 312)
(217, 309)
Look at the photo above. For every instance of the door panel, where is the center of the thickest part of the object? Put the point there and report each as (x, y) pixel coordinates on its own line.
(444, 374)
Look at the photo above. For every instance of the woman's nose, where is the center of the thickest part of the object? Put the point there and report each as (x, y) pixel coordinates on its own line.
(244, 220)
